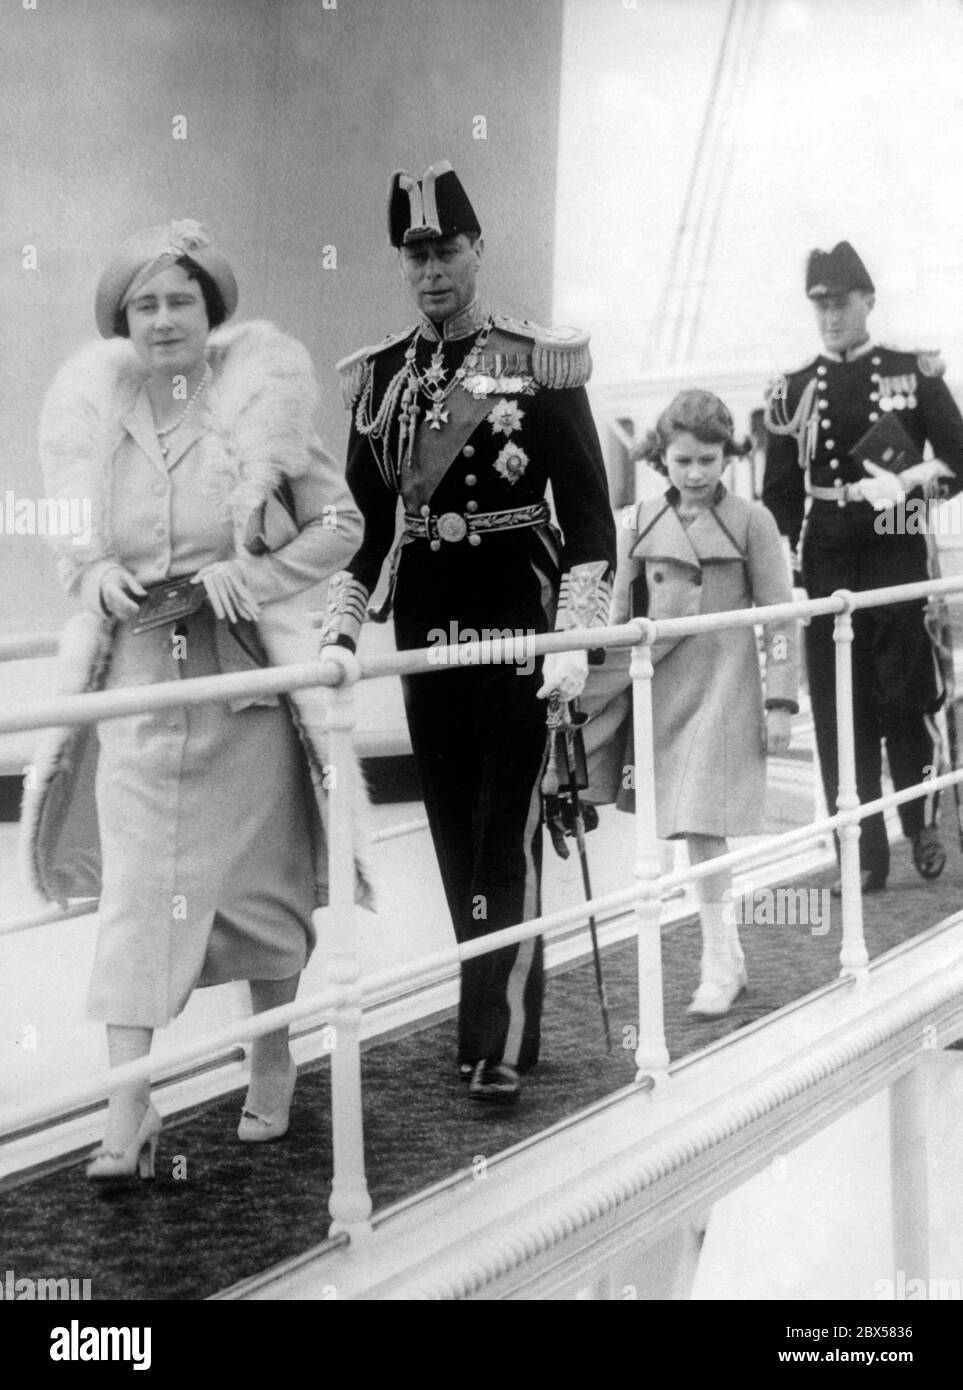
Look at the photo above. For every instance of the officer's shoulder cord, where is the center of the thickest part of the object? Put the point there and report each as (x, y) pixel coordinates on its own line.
(801, 425)
(377, 427)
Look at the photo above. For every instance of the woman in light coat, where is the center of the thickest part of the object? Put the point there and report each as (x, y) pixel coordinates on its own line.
(699, 549)
(196, 445)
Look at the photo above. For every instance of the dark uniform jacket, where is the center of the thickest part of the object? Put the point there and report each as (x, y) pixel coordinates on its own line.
(517, 420)
(832, 404)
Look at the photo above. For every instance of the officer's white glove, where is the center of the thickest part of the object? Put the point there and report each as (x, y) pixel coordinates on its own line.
(343, 657)
(564, 674)
(923, 474)
(883, 488)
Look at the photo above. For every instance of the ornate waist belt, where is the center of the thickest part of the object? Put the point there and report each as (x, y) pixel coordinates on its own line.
(457, 526)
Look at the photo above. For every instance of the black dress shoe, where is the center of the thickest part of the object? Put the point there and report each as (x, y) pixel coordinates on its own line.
(495, 1081)
(929, 856)
(870, 881)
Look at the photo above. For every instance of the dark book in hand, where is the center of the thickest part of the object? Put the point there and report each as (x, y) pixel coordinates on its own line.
(888, 445)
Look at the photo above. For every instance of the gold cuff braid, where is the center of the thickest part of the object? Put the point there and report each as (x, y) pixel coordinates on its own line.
(585, 596)
(345, 611)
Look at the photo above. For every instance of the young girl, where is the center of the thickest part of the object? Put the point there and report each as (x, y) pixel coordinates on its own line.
(699, 549)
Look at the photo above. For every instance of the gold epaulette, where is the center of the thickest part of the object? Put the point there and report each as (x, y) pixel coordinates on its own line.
(352, 368)
(930, 362)
(560, 356)
(803, 367)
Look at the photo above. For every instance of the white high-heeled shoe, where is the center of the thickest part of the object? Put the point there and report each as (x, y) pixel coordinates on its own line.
(107, 1165)
(259, 1128)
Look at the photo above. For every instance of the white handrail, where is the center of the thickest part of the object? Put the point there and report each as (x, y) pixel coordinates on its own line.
(350, 1199)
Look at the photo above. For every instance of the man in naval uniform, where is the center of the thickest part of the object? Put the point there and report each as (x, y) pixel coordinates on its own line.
(468, 416)
(850, 540)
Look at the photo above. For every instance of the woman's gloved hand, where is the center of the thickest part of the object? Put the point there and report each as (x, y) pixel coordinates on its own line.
(227, 591)
(120, 593)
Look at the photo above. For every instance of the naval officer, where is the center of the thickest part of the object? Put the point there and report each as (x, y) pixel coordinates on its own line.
(469, 415)
(850, 540)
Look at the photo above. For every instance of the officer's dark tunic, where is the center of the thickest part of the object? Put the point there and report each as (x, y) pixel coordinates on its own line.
(895, 684)
(478, 734)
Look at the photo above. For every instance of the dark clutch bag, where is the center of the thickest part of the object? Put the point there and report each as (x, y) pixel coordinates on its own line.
(168, 603)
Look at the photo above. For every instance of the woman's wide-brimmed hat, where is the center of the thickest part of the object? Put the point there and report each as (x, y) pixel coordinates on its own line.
(145, 254)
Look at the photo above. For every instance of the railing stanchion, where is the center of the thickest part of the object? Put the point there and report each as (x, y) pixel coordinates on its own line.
(350, 1202)
(853, 956)
(651, 1055)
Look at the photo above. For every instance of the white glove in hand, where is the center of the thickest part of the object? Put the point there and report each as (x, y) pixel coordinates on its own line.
(227, 590)
(564, 674)
(882, 488)
(922, 474)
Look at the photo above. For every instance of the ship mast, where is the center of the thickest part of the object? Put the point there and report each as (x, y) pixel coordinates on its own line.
(680, 307)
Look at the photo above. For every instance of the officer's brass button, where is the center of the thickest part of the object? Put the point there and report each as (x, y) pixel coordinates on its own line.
(474, 540)
(837, 482)
(471, 506)
(435, 545)
(841, 502)
(834, 463)
(426, 510)
(470, 480)
(830, 443)
(826, 423)
(469, 451)
(874, 415)
(877, 361)
(821, 371)
(874, 395)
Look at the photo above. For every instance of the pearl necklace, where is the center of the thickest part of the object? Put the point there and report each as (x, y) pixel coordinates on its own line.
(169, 429)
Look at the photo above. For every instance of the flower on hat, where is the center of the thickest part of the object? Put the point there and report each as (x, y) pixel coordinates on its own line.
(511, 462)
(188, 235)
(505, 417)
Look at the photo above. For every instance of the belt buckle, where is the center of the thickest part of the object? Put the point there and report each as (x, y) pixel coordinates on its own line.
(451, 527)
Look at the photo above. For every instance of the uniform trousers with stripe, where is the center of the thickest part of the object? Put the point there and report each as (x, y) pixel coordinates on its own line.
(478, 737)
(896, 689)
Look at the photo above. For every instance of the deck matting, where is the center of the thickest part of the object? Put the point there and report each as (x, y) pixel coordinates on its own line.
(220, 1211)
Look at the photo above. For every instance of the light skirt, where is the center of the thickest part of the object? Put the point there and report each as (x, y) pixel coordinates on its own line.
(205, 835)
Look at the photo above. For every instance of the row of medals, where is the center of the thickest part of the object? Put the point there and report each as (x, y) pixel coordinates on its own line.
(897, 393)
(506, 378)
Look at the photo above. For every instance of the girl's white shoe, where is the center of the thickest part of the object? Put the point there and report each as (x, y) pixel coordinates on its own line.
(716, 997)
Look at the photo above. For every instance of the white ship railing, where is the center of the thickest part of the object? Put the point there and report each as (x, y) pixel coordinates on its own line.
(341, 1002)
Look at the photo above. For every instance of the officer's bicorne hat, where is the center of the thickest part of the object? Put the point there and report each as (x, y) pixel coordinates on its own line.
(836, 272)
(434, 206)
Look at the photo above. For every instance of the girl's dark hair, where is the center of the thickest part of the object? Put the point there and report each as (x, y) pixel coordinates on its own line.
(699, 413)
(213, 299)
